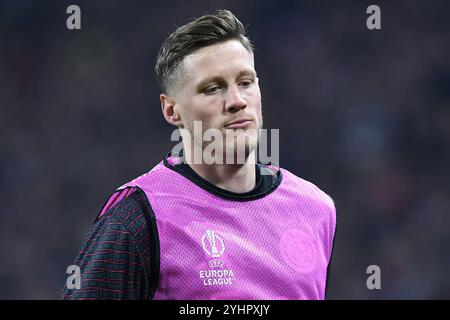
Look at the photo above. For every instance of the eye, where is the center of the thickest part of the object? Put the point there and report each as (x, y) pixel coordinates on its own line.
(246, 83)
(211, 89)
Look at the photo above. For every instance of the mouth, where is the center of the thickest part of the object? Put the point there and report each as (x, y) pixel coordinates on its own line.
(242, 123)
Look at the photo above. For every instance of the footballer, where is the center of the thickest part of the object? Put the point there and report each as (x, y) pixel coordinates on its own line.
(199, 230)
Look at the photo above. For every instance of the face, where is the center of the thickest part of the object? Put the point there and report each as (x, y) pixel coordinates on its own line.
(219, 86)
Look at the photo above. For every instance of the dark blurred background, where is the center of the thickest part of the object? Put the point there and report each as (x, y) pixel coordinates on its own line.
(363, 114)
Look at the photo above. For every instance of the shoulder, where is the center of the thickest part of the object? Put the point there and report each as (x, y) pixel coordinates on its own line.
(130, 203)
(133, 215)
(113, 263)
(307, 189)
(118, 255)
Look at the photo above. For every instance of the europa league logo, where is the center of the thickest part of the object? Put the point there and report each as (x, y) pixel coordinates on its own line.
(214, 246)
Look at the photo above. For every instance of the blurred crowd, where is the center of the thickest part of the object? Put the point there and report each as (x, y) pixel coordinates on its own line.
(363, 114)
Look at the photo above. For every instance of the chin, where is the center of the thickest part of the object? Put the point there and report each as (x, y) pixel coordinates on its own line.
(241, 150)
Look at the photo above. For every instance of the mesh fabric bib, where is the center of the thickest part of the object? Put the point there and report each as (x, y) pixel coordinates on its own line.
(274, 247)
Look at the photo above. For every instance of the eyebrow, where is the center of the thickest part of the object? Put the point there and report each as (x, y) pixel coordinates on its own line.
(246, 72)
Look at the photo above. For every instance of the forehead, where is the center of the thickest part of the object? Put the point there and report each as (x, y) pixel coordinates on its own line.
(227, 57)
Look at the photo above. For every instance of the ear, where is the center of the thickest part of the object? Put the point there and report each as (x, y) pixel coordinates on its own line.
(168, 108)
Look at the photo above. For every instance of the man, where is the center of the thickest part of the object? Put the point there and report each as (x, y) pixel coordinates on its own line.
(192, 229)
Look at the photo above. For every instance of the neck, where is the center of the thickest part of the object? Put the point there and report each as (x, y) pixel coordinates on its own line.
(238, 178)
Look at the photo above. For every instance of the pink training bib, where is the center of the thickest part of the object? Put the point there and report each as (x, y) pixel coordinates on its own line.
(275, 247)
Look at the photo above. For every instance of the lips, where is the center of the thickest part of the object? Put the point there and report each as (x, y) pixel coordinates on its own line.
(240, 123)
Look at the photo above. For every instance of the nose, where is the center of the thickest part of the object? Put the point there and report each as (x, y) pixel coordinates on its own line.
(234, 101)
